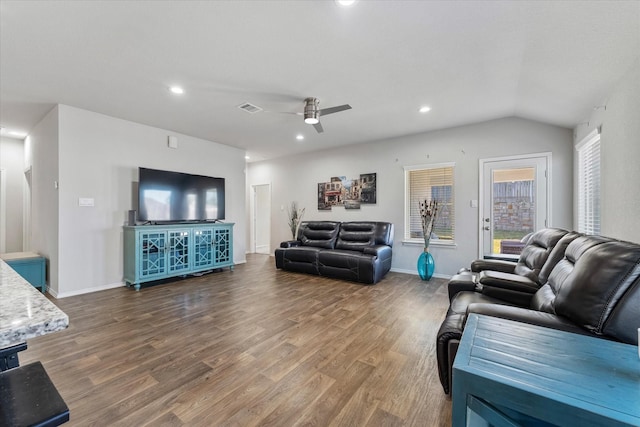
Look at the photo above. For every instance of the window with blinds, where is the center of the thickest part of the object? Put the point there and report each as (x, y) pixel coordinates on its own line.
(430, 182)
(589, 183)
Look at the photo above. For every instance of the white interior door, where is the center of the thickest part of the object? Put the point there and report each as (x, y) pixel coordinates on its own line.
(515, 194)
(26, 213)
(262, 218)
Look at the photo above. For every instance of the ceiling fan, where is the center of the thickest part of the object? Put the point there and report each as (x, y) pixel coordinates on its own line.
(312, 112)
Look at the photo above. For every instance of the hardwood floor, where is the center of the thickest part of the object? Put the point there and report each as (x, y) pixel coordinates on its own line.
(252, 347)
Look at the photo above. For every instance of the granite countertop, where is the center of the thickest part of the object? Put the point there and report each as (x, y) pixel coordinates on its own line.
(24, 311)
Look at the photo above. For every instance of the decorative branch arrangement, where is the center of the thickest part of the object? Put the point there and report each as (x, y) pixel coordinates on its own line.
(428, 213)
(295, 217)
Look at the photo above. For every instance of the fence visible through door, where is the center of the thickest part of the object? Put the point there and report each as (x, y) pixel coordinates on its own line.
(514, 202)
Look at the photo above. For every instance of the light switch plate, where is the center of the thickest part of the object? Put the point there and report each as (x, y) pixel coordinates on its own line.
(85, 201)
(474, 203)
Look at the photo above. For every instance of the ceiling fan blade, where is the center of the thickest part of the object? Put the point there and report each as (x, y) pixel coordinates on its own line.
(332, 110)
(318, 127)
(283, 112)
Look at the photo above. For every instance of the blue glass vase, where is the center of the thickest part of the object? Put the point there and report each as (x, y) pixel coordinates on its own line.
(426, 265)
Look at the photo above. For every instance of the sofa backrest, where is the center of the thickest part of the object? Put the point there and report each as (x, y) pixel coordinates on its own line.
(320, 234)
(536, 252)
(356, 236)
(556, 255)
(596, 286)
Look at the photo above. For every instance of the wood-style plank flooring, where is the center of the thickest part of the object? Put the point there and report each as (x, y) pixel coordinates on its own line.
(252, 347)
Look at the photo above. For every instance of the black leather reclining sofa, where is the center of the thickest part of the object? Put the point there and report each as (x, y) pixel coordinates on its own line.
(356, 251)
(586, 284)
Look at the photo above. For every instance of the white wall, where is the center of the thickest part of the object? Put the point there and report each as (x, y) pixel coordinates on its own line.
(12, 161)
(98, 157)
(41, 155)
(296, 178)
(620, 154)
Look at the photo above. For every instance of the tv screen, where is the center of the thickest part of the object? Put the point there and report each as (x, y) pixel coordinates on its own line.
(165, 196)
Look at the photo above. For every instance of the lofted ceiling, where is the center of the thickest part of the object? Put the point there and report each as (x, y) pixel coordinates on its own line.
(470, 61)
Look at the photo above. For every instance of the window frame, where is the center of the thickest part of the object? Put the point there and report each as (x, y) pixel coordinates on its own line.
(589, 221)
(407, 239)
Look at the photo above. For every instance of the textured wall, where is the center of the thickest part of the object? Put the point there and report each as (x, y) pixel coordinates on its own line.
(296, 178)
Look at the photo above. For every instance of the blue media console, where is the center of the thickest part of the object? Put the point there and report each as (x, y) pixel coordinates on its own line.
(154, 252)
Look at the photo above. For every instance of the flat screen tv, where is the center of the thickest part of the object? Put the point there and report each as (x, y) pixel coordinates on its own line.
(165, 196)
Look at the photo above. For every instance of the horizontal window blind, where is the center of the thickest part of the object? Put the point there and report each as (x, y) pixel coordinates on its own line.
(589, 184)
(430, 183)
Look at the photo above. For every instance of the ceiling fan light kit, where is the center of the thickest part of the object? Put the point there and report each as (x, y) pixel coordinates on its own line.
(312, 112)
(311, 115)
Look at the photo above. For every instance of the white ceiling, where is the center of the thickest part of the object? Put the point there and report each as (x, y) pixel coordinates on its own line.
(470, 61)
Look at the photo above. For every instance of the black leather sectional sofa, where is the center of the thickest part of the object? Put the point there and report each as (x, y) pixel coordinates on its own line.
(357, 251)
(563, 280)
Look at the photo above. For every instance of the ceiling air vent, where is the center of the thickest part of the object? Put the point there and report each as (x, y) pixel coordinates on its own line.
(249, 108)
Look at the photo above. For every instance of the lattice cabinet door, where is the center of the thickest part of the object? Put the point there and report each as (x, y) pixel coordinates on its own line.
(223, 242)
(152, 254)
(178, 256)
(203, 248)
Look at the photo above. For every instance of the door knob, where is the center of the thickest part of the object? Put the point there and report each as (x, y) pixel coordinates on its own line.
(487, 219)
(487, 228)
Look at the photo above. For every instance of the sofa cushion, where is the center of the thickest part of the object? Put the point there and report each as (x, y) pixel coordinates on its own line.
(514, 282)
(624, 320)
(462, 300)
(524, 315)
(544, 299)
(536, 252)
(349, 265)
(319, 234)
(601, 277)
(302, 254)
(556, 254)
(355, 236)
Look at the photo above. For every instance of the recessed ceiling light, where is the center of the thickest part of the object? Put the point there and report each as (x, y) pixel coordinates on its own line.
(299, 137)
(345, 2)
(425, 109)
(177, 90)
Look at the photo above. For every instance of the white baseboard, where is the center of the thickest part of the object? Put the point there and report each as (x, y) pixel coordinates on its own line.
(415, 273)
(85, 290)
(103, 287)
(263, 249)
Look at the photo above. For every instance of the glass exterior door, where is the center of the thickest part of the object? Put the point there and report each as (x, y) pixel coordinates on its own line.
(514, 204)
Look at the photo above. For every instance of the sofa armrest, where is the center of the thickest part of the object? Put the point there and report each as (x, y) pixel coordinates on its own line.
(461, 282)
(509, 281)
(381, 251)
(290, 244)
(518, 290)
(493, 264)
(525, 315)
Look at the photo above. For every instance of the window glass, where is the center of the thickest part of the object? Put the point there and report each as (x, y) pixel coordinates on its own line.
(589, 184)
(430, 182)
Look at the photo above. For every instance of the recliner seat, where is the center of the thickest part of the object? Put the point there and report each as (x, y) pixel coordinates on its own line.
(594, 290)
(519, 280)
